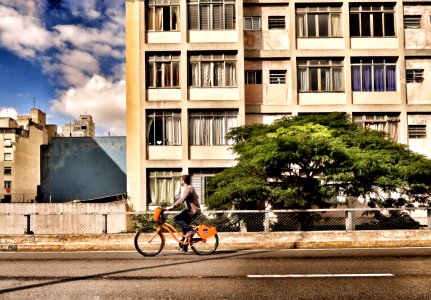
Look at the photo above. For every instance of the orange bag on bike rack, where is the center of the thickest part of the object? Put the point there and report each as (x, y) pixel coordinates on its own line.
(157, 213)
(206, 231)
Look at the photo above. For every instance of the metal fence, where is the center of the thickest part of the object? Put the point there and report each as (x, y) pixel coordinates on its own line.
(225, 221)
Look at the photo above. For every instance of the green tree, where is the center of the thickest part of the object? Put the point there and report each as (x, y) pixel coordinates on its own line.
(305, 160)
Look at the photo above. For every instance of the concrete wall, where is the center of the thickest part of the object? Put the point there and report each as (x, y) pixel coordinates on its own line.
(63, 218)
(83, 168)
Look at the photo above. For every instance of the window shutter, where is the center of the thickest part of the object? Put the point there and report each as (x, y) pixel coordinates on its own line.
(196, 181)
(412, 21)
(204, 11)
(248, 23)
(251, 23)
(417, 131)
(193, 17)
(217, 17)
(229, 16)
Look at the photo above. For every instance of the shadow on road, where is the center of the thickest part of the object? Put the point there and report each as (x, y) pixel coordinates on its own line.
(215, 256)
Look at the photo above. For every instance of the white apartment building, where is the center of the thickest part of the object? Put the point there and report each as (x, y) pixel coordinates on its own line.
(196, 68)
(84, 127)
(20, 157)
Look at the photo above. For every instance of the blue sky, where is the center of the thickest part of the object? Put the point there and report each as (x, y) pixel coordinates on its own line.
(67, 57)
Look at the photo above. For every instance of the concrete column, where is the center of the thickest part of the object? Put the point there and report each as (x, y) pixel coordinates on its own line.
(349, 221)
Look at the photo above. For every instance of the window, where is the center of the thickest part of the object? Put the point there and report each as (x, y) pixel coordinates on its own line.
(164, 186)
(200, 178)
(276, 22)
(417, 131)
(277, 76)
(374, 75)
(211, 14)
(212, 70)
(251, 23)
(164, 128)
(253, 77)
(372, 21)
(7, 186)
(7, 156)
(383, 122)
(320, 75)
(7, 142)
(163, 71)
(414, 75)
(7, 171)
(322, 21)
(412, 21)
(163, 15)
(210, 127)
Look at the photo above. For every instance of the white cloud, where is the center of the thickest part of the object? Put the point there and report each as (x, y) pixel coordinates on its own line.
(77, 67)
(103, 99)
(23, 34)
(70, 55)
(86, 8)
(99, 42)
(8, 112)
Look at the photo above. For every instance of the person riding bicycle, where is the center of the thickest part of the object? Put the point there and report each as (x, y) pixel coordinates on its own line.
(192, 210)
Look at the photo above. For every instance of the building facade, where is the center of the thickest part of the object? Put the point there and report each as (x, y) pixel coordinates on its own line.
(20, 157)
(84, 127)
(196, 68)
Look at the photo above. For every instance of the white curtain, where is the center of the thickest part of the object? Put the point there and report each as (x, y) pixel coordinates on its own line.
(195, 74)
(218, 73)
(206, 74)
(175, 18)
(393, 130)
(150, 23)
(337, 79)
(211, 130)
(230, 74)
(173, 131)
(303, 79)
(336, 29)
(158, 18)
(231, 122)
(300, 25)
(164, 186)
(326, 79)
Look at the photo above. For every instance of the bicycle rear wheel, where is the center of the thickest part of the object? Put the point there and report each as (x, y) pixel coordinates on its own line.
(149, 243)
(204, 246)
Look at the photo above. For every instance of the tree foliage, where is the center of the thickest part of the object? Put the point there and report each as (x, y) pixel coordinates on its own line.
(304, 160)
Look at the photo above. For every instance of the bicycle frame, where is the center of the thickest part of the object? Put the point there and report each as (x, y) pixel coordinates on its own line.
(171, 230)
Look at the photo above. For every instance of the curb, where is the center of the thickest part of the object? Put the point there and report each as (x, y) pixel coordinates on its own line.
(231, 241)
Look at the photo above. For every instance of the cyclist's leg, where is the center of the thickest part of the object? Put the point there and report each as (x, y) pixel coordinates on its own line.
(183, 220)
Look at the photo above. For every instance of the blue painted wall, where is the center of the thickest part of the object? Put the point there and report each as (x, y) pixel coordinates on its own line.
(82, 168)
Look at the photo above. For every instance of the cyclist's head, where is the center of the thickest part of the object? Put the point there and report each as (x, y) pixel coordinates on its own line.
(186, 179)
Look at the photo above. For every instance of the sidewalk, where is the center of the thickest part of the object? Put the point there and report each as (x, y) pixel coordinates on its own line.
(235, 240)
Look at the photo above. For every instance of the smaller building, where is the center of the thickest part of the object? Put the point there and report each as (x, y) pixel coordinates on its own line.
(20, 155)
(84, 127)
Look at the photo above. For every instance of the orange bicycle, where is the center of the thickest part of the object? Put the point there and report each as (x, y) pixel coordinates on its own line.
(150, 241)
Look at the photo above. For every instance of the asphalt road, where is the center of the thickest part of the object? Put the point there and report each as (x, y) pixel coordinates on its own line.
(283, 274)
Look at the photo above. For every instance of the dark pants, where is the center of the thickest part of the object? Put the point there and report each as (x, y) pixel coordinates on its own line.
(183, 219)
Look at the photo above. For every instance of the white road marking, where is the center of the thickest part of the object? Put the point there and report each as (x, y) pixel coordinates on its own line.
(319, 275)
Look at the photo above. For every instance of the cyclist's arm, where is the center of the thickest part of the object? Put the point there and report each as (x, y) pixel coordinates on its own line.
(180, 201)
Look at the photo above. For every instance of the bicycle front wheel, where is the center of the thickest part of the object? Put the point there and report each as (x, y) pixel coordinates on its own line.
(204, 246)
(149, 243)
